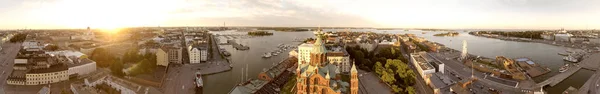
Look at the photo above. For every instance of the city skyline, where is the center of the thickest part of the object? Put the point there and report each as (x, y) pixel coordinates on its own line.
(447, 14)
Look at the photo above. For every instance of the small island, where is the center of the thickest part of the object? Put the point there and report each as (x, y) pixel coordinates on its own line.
(283, 29)
(259, 33)
(447, 34)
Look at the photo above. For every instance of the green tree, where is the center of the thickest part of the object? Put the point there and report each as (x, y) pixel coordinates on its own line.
(410, 90)
(117, 68)
(388, 77)
(102, 57)
(396, 89)
(379, 69)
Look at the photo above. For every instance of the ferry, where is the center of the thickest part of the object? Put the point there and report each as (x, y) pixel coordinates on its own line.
(198, 82)
(267, 55)
(564, 68)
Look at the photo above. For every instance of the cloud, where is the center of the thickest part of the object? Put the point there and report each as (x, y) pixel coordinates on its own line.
(265, 13)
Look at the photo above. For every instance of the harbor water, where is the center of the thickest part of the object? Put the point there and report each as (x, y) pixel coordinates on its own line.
(543, 54)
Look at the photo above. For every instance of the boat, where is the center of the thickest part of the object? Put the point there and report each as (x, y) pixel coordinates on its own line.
(563, 54)
(570, 59)
(564, 68)
(275, 54)
(225, 53)
(198, 82)
(267, 55)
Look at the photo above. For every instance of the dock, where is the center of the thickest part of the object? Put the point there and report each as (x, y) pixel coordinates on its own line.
(559, 77)
(238, 46)
(591, 62)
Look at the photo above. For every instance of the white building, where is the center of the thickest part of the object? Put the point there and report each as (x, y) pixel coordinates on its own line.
(562, 36)
(304, 52)
(425, 69)
(197, 53)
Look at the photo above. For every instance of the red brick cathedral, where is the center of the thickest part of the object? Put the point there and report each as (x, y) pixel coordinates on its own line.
(320, 77)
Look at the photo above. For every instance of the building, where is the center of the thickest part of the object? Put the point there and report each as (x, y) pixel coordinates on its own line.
(89, 35)
(169, 55)
(420, 62)
(339, 57)
(38, 68)
(197, 53)
(317, 77)
(162, 58)
(562, 36)
(440, 83)
(304, 52)
(578, 39)
(546, 36)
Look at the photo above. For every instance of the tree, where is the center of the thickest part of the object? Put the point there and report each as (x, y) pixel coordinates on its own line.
(379, 69)
(396, 89)
(102, 57)
(51, 47)
(410, 90)
(388, 76)
(117, 68)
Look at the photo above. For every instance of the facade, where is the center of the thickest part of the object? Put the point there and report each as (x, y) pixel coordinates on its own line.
(319, 77)
(84, 67)
(162, 57)
(562, 36)
(304, 52)
(339, 57)
(197, 53)
(168, 55)
(38, 68)
(547, 36)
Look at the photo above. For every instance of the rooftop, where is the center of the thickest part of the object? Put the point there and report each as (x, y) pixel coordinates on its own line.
(422, 61)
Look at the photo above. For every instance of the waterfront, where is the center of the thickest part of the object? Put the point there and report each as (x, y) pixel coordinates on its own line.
(543, 54)
(221, 83)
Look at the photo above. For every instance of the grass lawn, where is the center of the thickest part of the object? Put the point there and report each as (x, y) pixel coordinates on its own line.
(288, 88)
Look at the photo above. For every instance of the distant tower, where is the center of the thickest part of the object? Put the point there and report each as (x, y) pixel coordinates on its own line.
(464, 53)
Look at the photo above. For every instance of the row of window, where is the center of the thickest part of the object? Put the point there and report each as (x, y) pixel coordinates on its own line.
(45, 74)
(47, 78)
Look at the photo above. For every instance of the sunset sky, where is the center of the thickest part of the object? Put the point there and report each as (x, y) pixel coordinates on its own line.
(451, 14)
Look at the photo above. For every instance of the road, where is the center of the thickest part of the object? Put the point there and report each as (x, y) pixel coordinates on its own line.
(7, 56)
(464, 72)
(180, 78)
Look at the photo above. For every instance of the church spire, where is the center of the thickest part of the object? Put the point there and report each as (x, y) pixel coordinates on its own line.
(318, 45)
(353, 68)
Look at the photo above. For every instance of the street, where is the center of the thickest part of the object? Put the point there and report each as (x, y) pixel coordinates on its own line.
(8, 53)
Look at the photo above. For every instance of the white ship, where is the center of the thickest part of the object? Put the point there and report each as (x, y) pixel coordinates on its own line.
(570, 58)
(267, 55)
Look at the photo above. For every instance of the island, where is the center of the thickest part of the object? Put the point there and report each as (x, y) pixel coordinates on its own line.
(259, 33)
(447, 34)
(283, 29)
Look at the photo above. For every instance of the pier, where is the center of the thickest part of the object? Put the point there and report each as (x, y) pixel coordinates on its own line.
(238, 46)
(591, 62)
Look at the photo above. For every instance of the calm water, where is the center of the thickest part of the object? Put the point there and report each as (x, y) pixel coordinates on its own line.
(222, 83)
(543, 54)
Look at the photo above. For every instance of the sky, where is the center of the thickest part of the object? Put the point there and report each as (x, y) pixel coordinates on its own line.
(448, 14)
